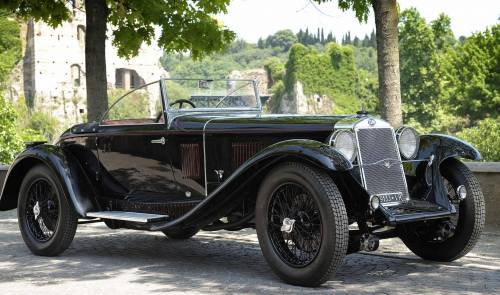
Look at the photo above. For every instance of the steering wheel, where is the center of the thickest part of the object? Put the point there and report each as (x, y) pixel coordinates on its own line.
(181, 102)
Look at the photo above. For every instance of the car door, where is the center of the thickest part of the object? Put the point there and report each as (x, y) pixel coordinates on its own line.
(132, 144)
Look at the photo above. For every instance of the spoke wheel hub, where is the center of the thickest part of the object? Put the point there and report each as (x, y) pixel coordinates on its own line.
(41, 212)
(294, 224)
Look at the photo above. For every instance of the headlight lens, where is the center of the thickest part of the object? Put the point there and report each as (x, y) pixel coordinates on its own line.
(408, 141)
(343, 141)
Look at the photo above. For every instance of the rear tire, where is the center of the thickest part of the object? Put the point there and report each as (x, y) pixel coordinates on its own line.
(310, 251)
(46, 218)
(471, 215)
(181, 233)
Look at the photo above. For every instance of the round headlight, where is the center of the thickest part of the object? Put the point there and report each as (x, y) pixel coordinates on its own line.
(408, 142)
(343, 141)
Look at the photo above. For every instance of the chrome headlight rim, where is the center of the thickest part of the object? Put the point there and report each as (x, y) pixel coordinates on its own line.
(399, 132)
(333, 138)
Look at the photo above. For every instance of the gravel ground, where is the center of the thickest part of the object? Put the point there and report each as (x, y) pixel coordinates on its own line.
(101, 261)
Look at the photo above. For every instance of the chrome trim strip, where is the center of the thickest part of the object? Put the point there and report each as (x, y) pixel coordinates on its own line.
(394, 160)
(205, 154)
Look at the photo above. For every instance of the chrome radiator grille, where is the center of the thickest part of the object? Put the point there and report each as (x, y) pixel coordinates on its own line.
(380, 164)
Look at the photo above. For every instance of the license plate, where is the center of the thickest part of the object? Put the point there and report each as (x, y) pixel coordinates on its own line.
(395, 198)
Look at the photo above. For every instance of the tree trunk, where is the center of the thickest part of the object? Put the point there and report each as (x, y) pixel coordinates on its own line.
(95, 58)
(386, 23)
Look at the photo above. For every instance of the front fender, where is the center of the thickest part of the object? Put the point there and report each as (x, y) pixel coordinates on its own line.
(424, 177)
(63, 164)
(310, 151)
(445, 146)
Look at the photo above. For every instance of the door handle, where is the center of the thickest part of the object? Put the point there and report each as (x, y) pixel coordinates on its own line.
(159, 141)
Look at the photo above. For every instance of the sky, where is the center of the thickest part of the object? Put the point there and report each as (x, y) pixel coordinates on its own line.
(252, 19)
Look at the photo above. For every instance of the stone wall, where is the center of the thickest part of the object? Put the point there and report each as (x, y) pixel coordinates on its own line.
(53, 76)
(259, 75)
(297, 102)
(488, 175)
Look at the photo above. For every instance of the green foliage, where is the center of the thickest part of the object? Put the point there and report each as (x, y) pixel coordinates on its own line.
(475, 75)
(131, 107)
(45, 124)
(485, 137)
(418, 55)
(35, 126)
(53, 12)
(283, 39)
(239, 55)
(447, 85)
(275, 70)
(185, 25)
(309, 38)
(443, 35)
(10, 142)
(366, 58)
(360, 7)
(332, 73)
(278, 90)
(322, 72)
(10, 45)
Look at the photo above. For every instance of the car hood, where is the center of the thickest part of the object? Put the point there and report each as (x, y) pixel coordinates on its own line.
(254, 123)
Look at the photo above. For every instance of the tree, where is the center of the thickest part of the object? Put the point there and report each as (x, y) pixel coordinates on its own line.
(417, 53)
(443, 35)
(10, 46)
(283, 39)
(185, 25)
(261, 44)
(476, 72)
(386, 24)
(10, 143)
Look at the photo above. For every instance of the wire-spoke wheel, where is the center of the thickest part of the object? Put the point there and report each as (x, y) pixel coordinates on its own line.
(448, 240)
(301, 223)
(294, 224)
(41, 211)
(46, 219)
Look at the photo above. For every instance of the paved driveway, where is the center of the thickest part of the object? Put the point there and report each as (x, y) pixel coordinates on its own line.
(103, 261)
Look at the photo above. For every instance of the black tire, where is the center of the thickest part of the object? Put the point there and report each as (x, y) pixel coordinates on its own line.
(181, 233)
(53, 230)
(315, 188)
(470, 221)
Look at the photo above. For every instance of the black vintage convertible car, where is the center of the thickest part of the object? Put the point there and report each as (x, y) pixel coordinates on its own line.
(179, 156)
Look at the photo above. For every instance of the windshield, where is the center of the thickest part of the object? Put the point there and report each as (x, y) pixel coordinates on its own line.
(210, 94)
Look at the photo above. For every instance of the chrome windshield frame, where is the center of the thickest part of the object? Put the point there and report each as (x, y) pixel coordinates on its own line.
(176, 112)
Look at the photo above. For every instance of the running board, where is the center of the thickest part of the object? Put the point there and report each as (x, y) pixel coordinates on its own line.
(128, 216)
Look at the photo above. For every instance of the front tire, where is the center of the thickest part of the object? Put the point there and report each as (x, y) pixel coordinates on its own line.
(468, 224)
(301, 224)
(46, 218)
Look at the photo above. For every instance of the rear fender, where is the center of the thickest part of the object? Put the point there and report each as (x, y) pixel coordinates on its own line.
(253, 171)
(64, 165)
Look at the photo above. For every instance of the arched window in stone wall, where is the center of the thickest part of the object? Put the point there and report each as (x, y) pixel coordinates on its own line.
(127, 79)
(80, 35)
(76, 75)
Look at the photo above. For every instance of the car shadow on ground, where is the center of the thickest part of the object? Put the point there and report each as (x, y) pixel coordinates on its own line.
(221, 262)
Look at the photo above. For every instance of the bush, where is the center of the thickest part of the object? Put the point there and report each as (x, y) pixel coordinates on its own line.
(10, 142)
(37, 126)
(485, 137)
(130, 107)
